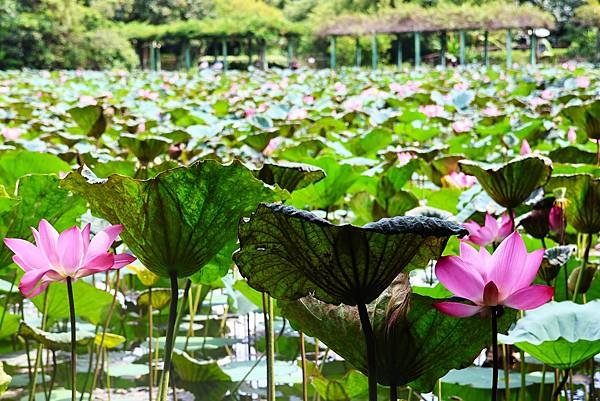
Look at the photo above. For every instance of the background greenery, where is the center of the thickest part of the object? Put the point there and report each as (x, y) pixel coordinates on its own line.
(90, 34)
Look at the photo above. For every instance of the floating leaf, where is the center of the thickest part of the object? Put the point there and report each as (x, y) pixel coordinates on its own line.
(510, 183)
(108, 340)
(291, 253)
(4, 379)
(583, 200)
(179, 220)
(560, 334)
(55, 341)
(161, 298)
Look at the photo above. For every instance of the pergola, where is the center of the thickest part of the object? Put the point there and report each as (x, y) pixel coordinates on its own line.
(250, 29)
(417, 20)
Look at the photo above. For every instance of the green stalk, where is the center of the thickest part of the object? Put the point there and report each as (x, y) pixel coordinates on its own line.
(522, 371)
(541, 394)
(164, 376)
(271, 344)
(73, 341)
(367, 329)
(107, 372)
(303, 364)
(586, 254)
(495, 353)
(184, 301)
(38, 354)
(506, 349)
(269, 347)
(150, 326)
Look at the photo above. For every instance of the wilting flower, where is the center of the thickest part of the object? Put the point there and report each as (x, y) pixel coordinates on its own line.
(431, 110)
(463, 125)
(525, 148)
(54, 257)
(503, 278)
(459, 180)
(492, 231)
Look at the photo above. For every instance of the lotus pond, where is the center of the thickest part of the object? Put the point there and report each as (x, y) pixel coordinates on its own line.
(300, 235)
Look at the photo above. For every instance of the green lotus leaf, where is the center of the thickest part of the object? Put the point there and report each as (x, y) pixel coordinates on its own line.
(291, 253)
(145, 148)
(416, 344)
(55, 341)
(583, 200)
(4, 379)
(179, 220)
(108, 340)
(14, 164)
(193, 370)
(290, 176)
(560, 334)
(90, 119)
(572, 154)
(161, 298)
(509, 184)
(586, 117)
(38, 196)
(554, 259)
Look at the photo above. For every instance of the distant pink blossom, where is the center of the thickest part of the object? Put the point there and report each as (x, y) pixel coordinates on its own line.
(547, 94)
(493, 231)
(403, 90)
(262, 107)
(462, 125)
(371, 92)
(141, 127)
(461, 86)
(11, 133)
(148, 94)
(249, 111)
(272, 146)
(537, 101)
(404, 158)
(86, 100)
(582, 82)
(432, 110)
(459, 180)
(491, 111)
(4, 89)
(339, 88)
(502, 278)
(572, 135)
(54, 257)
(308, 99)
(352, 104)
(297, 114)
(525, 148)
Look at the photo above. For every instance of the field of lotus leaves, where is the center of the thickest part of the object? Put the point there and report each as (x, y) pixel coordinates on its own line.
(300, 235)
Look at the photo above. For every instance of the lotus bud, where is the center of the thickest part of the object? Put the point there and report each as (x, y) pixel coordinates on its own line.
(586, 280)
(554, 259)
(175, 150)
(536, 222)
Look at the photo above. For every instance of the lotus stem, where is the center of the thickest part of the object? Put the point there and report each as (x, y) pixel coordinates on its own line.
(150, 364)
(193, 306)
(53, 377)
(367, 329)
(522, 371)
(541, 394)
(506, 352)
(38, 354)
(303, 364)
(107, 372)
(73, 340)
(495, 353)
(511, 214)
(557, 391)
(586, 255)
(184, 301)
(268, 314)
(169, 341)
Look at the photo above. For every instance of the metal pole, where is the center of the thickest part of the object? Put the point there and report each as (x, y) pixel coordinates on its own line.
(462, 45)
(374, 53)
(417, 49)
(398, 52)
(486, 45)
(187, 57)
(157, 57)
(443, 44)
(224, 52)
(332, 52)
(508, 48)
(358, 53)
(533, 54)
(152, 57)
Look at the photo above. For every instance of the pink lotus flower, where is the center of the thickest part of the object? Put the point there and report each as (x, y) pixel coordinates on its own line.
(491, 111)
(404, 158)
(572, 135)
(431, 110)
(352, 104)
(56, 256)
(339, 88)
(308, 99)
(459, 180)
(297, 114)
(492, 231)
(11, 133)
(547, 94)
(272, 146)
(525, 148)
(503, 278)
(582, 82)
(556, 220)
(463, 125)
(249, 111)
(86, 100)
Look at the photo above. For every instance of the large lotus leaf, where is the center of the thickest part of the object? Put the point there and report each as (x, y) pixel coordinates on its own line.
(145, 148)
(290, 176)
(583, 200)
(291, 253)
(415, 342)
(509, 184)
(90, 119)
(328, 191)
(192, 370)
(55, 341)
(179, 220)
(37, 197)
(161, 298)
(586, 117)
(91, 303)
(10, 323)
(4, 379)
(572, 154)
(14, 164)
(560, 334)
